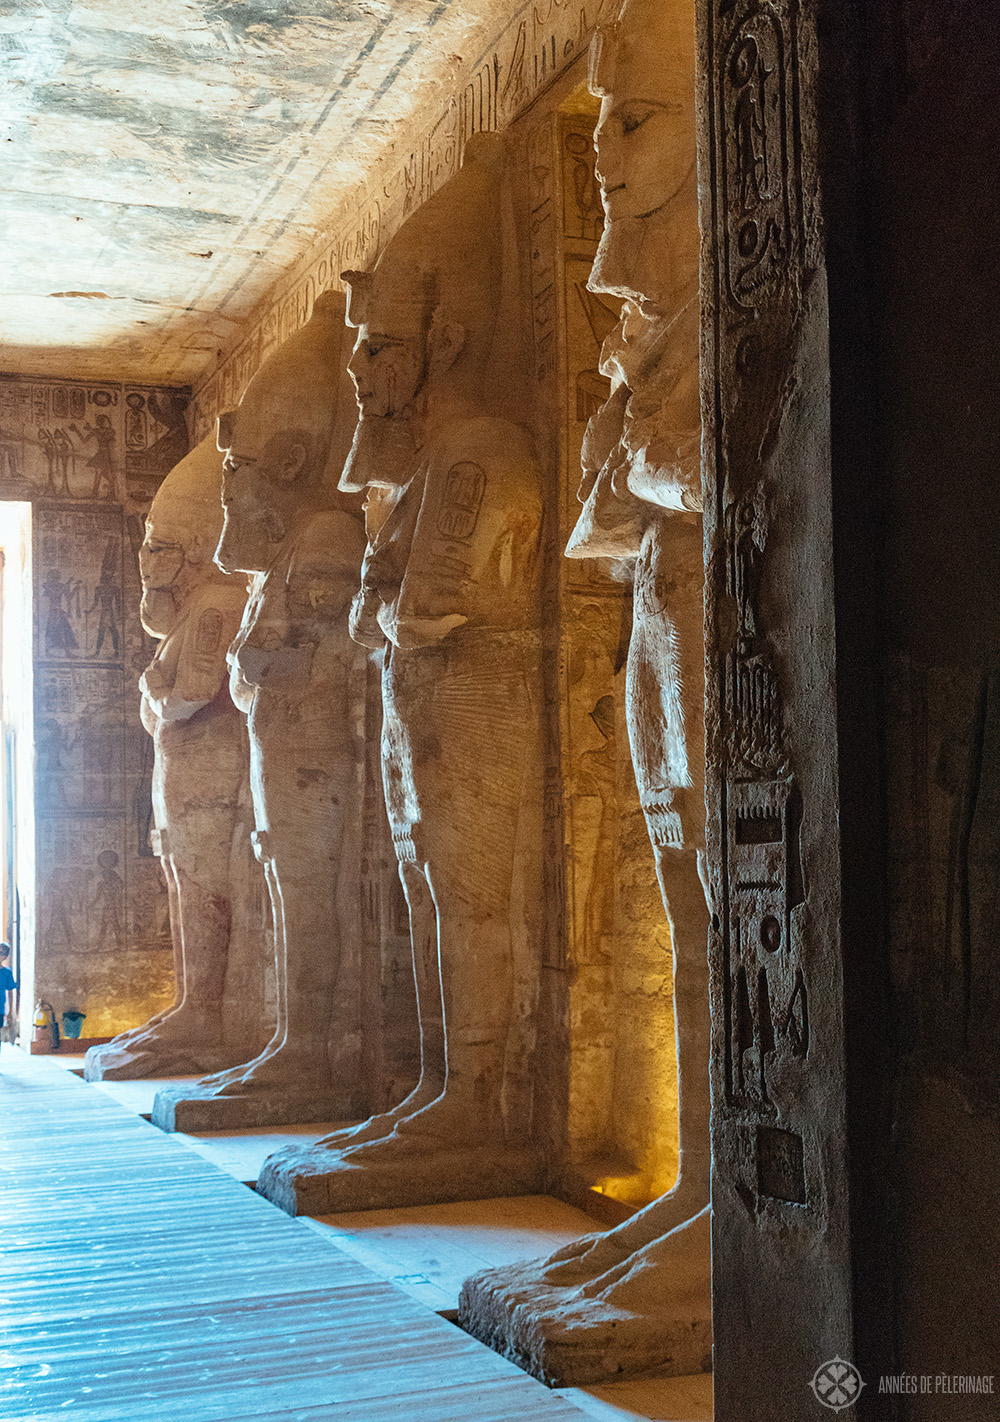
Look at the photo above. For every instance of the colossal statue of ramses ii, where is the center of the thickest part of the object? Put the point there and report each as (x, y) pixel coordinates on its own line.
(639, 1296)
(299, 678)
(449, 595)
(201, 793)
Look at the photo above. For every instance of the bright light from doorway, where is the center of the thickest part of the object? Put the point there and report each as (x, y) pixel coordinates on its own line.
(17, 809)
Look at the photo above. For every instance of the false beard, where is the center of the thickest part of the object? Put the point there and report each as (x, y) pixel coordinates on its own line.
(630, 257)
(382, 453)
(158, 611)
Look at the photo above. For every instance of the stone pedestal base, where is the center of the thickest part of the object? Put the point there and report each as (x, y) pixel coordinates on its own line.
(320, 1181)
(654, 1311)
(201, 1107)
(138, 1061)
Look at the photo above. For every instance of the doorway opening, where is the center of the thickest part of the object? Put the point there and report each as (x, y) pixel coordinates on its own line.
(17, 808)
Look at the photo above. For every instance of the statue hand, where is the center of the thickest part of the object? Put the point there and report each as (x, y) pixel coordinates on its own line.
(408, 633)
(154, 683)
(262, 665)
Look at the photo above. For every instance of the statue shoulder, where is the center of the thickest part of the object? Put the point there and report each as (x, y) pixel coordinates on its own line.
(489, 441)
(487, 462)
(226, 594)
(330, 535)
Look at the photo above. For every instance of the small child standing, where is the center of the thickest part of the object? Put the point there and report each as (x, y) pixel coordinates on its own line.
(8, 987)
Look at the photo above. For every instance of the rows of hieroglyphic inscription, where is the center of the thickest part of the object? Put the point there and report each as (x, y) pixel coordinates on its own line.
(535, 48)
(90, 456)
(61, 439)
(760, 235)
(92, 759)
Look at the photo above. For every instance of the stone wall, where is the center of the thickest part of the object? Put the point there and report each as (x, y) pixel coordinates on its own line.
(89, 458)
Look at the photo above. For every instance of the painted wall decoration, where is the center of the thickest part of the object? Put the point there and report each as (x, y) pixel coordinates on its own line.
(90, 457)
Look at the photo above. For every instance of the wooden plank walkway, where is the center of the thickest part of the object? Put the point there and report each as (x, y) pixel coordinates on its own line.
(139, 1283)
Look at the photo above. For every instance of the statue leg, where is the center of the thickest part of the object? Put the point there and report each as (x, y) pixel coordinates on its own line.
(552, 1315)
(187, 1039)
(465, 1003)
(291, 1079)
(423, 937)
(307, 960)
(447, 1141)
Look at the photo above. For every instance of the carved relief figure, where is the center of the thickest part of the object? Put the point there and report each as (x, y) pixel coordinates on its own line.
(639, 1296)
(107, 598)
(102, 460)
(449, 591)
(297, 675)
(62, 596)
(200, 772)
(47, 442)
(64, 458)
(106, 904)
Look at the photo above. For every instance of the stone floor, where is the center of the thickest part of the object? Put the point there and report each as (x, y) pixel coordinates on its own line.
(419, 1256)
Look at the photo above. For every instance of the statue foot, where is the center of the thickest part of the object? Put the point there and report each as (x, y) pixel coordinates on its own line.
(652, 1310)
(594, 1254)
(121, 1042)
(280, 1087)
(171, 1047)
(394, 1174)
(376, 1128)
(441, 1124)
(277, 1068)
(134, 1034)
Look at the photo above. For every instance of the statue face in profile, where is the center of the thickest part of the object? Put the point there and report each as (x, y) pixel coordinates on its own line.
(277, 442)
(388, 371)
(642, 69)
(182, 528)
(643, 159)
(161, 556)
(258, 478)
(404, 349)
(161, 562)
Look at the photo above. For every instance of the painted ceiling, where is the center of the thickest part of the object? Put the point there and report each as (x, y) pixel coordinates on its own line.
(163, 162)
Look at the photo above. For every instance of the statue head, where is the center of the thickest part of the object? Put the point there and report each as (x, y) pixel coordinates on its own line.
(642, 68)
(425, 318)
(182, 530)
(285, 444)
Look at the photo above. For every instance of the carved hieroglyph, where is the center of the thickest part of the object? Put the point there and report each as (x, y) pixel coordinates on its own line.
(299, 677)
(201, 793)
(450, 590)
(640, 1295)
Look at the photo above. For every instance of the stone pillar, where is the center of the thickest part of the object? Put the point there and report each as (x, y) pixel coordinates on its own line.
(201, 790)
(449, 588)
(639, 1296)
(300, 679)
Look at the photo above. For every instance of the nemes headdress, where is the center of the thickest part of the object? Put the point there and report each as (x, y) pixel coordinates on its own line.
(645, 51)
(187, 507)
(446, 261)
(302, 390)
